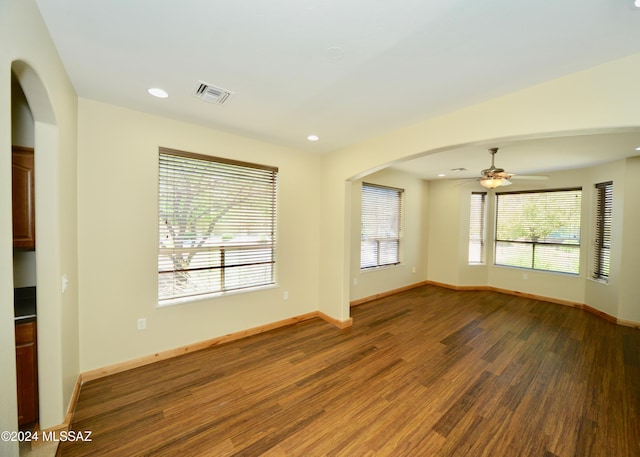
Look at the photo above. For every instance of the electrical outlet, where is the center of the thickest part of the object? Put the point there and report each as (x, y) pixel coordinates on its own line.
(286, 295)
(142, 323)
(355, 281)
(525, 276)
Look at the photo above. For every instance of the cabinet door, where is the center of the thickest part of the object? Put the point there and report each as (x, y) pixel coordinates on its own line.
(27, 373)
(25, 361)
(24, 226)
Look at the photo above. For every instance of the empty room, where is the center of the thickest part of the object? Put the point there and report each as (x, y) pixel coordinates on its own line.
(319, 228)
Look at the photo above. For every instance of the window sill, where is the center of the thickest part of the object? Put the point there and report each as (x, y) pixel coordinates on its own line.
(599, 281)
(381, 267)
(534, 270)
(198, 298)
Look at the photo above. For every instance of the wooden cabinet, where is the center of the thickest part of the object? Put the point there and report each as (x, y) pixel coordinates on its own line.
(27, 371)
(24, 223)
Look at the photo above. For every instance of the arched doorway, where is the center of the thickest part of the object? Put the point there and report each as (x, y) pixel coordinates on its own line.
(47, 255)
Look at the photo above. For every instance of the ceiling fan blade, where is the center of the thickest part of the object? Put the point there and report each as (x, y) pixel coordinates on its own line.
(531, 177)
(465, 181)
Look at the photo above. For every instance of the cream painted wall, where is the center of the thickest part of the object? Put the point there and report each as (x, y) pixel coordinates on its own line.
(21, 118)
(443, 252)
(118, 226)
(335, 233)
(28, 51)
(374, 281)
(629, 308)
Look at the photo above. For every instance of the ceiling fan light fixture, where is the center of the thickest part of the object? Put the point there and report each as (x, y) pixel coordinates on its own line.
(491, 183)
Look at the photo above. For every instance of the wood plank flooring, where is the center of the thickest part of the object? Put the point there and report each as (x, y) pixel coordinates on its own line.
(427, 372)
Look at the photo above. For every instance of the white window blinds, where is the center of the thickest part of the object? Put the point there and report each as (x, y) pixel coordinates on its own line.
(604, 207)
(477, 223)
(217, 221)
(380, 226)
(539, 230)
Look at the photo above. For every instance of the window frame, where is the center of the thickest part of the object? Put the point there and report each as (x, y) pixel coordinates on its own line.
(535, 243)
(393, 197)
(242, 259)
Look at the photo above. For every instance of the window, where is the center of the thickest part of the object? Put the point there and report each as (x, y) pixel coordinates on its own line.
(380, 233)
(477, 227)
(539, 230)
(217, 220)
(604, 205)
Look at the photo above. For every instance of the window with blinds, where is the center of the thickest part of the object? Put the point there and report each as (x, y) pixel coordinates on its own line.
(380, 226)
(217, 225)
(602, 253)
(539, 230)
(477, 224)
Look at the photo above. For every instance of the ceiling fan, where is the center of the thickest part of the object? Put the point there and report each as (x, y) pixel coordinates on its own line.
(493, 176)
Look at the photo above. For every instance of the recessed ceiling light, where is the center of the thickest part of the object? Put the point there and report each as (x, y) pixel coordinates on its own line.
(441, 175)
(313, 138)
(157, 92)
(636, 3)
(638, 148)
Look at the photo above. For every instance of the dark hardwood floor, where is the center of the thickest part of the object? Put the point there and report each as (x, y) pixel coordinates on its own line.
(428, 372)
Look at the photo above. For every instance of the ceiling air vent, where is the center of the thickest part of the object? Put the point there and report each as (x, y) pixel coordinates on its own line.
(212, 94)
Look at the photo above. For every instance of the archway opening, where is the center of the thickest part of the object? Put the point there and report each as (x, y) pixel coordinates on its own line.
(41, 265)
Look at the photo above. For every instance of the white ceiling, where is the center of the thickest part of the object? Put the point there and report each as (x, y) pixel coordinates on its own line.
(345, 70)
